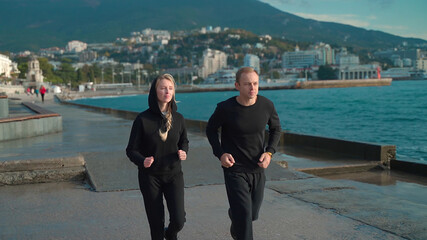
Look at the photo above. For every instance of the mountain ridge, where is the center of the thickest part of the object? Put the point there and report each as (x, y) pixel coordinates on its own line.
(46, 23)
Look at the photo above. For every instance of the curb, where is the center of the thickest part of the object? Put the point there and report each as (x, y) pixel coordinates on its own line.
(42, 170)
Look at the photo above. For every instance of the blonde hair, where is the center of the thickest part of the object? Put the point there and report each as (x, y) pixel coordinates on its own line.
(244, 70)
(168, 115)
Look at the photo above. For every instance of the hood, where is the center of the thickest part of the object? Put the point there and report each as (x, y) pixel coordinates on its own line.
(152, 99)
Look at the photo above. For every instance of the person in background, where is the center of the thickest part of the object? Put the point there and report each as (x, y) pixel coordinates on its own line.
(157, 145)
(42, 92)
(243, 152)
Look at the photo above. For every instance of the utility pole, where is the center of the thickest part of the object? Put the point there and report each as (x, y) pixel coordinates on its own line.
(123, 75)
(112, 72)
(139, 76)
(102, 75)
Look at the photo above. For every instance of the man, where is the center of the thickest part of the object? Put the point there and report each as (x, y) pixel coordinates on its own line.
(243, 152)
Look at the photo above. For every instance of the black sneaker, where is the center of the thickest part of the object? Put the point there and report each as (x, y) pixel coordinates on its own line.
(169, 236)
(233, 234)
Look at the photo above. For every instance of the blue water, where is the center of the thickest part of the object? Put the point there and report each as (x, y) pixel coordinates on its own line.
(395, 114)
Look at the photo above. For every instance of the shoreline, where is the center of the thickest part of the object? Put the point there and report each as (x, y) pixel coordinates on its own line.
(71, 95)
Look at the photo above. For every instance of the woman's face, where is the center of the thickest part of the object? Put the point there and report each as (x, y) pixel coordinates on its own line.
(165, 91)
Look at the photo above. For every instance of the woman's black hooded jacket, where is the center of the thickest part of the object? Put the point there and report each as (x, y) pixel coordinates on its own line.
(145, 141)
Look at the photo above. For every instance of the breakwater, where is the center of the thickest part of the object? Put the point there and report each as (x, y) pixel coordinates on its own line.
(345, 83)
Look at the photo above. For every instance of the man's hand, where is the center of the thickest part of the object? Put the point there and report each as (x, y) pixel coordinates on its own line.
(227, 160)
(182, 155)
(264, 160)
(148, 161)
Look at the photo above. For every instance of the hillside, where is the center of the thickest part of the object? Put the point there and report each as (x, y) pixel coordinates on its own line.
(29, 24)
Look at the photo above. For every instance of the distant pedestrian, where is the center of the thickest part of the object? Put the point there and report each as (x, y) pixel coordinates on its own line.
(28, 91)
(157, 145)
(42, 92)
(37, 93)
(243, 152)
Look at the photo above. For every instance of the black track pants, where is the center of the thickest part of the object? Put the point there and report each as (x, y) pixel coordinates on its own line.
(245, 193)
(153, 189)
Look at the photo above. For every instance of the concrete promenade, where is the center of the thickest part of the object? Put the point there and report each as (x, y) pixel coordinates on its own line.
(109, 205)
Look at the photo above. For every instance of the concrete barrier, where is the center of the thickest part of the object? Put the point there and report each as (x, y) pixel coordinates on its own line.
(4, 106)
(42, 170)
(42, 122)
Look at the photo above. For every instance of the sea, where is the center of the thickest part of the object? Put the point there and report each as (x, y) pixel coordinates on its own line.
(392, 115)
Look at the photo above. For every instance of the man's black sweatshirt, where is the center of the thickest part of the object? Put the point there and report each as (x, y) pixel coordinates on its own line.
(243, 132)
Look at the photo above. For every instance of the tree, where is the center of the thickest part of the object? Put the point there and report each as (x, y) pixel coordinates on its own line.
(48, 73)
(326, 72)
(276, 75)
(67, 74)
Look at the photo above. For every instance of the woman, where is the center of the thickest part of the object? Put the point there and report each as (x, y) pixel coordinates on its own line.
(157, 145)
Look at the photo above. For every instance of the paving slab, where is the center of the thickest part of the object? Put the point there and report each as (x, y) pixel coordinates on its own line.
(71, 211)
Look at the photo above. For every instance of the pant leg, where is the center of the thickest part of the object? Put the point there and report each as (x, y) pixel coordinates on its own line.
(174, 195)
(258, 185)
(240, 200)
(151, 188)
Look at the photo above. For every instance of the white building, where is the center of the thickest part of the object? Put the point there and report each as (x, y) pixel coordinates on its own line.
(251, 60)
(5, 66)
(156, 34)
(366, 71)
(76, 46)
(422, 64)
(343, 58)
(211, 61)
(350, 68)
(301, 59)
(327, 53)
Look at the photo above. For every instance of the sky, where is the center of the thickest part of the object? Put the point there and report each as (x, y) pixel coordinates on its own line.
(405, 18)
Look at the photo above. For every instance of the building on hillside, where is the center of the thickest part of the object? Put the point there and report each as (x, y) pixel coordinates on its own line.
(344, 58)
(422, 64)
(211, 61)
(301, 59)
(34, 73)
(392, 54)
(222, 76)
(76, 46)
(51, 52)
(327, 54)
(251, 60)
(88, 56)
(350, 68)
(7, 67)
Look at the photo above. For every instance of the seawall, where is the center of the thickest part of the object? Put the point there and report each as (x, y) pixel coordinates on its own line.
(345, 83)
(370, 155)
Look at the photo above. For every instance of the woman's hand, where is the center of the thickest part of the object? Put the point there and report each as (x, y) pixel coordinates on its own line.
(148, 161)
(182, 155)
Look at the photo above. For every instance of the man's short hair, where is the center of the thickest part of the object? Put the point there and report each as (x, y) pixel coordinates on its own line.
(244, 70)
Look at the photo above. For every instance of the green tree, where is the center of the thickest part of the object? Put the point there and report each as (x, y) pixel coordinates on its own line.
(276, 75)
(326, 72)
(48, 72)
(67, 73)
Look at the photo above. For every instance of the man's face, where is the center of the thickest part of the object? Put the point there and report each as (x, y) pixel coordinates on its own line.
(248, 85)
